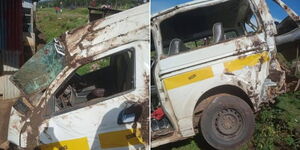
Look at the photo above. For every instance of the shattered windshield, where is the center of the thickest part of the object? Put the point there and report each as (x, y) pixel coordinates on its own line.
(40, 70)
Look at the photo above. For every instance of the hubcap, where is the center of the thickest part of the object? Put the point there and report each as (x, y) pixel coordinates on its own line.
(228, 122)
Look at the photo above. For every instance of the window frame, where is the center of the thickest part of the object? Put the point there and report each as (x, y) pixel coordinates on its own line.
(93, 62)
(198, 47)
(50, 104)
(255, 12)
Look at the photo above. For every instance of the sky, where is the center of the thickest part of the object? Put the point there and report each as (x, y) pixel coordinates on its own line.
(276, 11)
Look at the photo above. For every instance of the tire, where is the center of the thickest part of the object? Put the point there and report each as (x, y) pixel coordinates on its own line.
(227, 122)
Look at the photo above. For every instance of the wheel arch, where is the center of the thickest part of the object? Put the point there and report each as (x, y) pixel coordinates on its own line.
(203, 101)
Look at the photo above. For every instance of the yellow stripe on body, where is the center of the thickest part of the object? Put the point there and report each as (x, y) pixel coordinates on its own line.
(188, 78)
(123, 138)
(251, 60)
(205, 73)
(74, 144)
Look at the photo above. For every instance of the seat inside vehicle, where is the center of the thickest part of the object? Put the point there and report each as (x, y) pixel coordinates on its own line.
(207, 25)
(98, 79)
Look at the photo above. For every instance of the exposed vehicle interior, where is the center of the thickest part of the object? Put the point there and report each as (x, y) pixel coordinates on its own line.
(192, 29)
(98, 79)
(207, 25)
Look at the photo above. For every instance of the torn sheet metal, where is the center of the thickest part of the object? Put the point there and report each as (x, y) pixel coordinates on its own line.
(289, 11)
(245, 66)
(61, 129)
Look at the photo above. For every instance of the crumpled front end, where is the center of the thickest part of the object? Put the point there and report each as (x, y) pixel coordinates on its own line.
(15, 133)
(275, 83)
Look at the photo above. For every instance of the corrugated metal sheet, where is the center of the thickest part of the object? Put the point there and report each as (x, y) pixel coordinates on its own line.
(11, 44)
(7, 88)
(2, 26)
(11, 27)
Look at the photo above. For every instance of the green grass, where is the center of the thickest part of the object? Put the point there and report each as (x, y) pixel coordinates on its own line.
(53, 25)
(93, 66)
(277, 128)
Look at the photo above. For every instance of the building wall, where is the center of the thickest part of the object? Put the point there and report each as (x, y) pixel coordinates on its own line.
(11, 45)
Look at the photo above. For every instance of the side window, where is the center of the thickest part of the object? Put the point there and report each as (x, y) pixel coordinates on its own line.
(230, 35)
(209, 40)
(251, 25)
(198, 43)
(208, 25)
(93, 66)
(96, 80)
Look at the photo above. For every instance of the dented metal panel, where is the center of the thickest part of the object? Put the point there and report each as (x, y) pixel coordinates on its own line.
(80, 45)
(247, 62)
(98, 36)
(83, 45)
(75, 125)
(267, 20)
(289, 11)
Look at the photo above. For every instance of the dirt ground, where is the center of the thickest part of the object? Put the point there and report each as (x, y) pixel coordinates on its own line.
(5, 107)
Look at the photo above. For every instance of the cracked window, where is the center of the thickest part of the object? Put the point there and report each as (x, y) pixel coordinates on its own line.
(41, 69)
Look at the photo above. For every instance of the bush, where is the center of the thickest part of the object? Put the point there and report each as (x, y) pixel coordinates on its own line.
(277, 126)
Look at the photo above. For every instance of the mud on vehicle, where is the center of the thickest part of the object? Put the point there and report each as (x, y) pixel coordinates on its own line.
(87, 89)
(214, 64)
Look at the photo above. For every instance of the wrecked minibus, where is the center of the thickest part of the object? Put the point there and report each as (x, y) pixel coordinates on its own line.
(214, 64)
(87, 89)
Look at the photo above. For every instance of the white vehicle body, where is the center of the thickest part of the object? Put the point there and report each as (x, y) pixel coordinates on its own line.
(242, 65)
(92, 124)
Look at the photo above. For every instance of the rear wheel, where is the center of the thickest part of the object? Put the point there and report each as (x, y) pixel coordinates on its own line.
(227, 122)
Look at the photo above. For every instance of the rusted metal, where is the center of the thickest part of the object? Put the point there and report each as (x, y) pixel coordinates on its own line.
(256, 84)
(91, 42)
(144, 120)
(11, 43)
(289, 11)
(11, 27)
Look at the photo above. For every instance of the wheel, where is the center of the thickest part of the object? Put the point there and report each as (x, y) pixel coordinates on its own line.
(227, 122)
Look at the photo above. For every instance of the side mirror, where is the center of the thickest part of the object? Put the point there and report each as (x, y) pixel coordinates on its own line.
(130, 114)
(125, 118)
